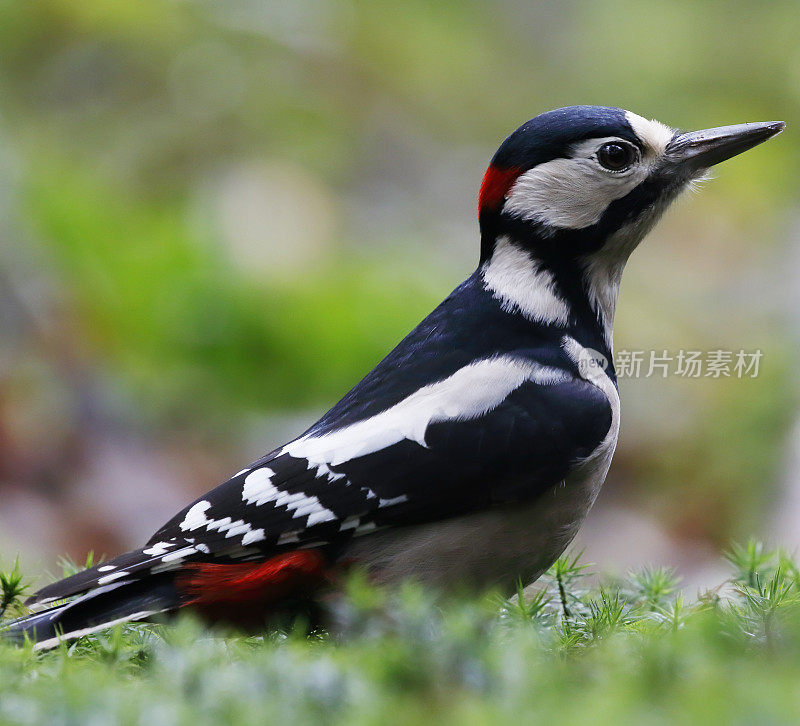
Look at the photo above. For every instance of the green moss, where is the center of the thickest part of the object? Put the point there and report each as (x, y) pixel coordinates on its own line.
(628, 652)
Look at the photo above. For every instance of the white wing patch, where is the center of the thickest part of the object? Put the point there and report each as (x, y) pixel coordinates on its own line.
(258, 489)
(349, 523)
(521, 284)
(105, 579)
(196, 519)
(159, 548)
(196, 516)
(392, 501)
(469, 393)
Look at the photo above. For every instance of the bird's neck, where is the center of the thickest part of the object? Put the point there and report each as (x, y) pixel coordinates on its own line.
(576, 295)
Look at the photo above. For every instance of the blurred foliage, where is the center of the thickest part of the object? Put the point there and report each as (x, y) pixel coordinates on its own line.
(715, 465)
(181, 325)
(225, 209)
(633, 651)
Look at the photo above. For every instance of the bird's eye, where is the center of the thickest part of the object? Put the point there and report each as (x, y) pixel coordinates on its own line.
(616, 156)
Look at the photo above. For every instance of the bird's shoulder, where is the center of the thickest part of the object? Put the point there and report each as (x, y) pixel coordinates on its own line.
(469, 325)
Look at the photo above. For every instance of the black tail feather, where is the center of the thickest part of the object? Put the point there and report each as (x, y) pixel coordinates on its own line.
(117, 602)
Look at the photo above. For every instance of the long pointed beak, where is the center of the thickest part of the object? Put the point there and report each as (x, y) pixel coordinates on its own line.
(698, 150)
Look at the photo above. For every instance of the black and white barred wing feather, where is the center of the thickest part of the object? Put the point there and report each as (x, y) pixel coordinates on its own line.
(500, 430)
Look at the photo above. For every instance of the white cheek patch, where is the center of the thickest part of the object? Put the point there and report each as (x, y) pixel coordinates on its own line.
(574, 192)
(571, 193)
(469, 393)
(653, 134)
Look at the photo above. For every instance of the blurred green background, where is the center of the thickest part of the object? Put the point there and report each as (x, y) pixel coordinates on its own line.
(215, 217)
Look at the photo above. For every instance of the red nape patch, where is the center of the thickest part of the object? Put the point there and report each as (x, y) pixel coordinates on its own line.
(260, 583)
(495, 186)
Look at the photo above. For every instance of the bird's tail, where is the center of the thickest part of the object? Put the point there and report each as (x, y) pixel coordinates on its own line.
(100, 608)
(131, 587)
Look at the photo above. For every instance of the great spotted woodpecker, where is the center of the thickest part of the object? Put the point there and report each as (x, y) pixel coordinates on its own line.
(473, 451)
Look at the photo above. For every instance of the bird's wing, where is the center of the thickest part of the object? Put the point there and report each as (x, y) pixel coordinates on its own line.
(497, 430)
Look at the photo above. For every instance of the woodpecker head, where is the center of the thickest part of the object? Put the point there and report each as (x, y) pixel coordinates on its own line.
(573, 191)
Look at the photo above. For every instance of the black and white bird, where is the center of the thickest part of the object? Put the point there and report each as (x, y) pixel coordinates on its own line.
(470, 454)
